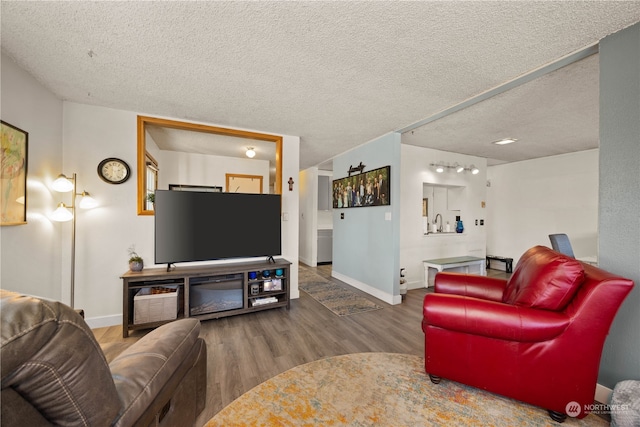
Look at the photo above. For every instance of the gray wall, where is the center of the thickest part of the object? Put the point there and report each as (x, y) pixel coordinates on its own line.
(366, 243)
(619, 211)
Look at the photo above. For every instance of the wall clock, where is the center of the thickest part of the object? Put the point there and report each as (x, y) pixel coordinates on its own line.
(114, 171)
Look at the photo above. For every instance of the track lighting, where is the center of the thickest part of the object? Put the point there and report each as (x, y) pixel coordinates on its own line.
(440, 167)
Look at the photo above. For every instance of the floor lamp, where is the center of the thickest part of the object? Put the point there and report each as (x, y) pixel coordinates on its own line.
(65, 213)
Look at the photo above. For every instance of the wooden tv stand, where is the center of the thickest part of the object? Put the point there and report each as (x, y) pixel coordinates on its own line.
(230, 288)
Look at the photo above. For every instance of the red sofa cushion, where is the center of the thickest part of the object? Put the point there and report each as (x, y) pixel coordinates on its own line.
(544, 279)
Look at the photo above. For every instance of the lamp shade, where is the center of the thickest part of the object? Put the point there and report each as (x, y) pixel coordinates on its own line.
(250, 153)
(62, 213)
(87, 202)
(62, 184)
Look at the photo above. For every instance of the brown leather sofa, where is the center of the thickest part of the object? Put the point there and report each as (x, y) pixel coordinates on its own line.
(55, 373)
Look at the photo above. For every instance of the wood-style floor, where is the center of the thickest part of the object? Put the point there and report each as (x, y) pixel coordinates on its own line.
(244, 351)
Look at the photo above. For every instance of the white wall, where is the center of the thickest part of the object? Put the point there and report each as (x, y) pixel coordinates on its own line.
(414, 245)
(312, 219)
(200, 169)
(529, 200)
(104, 234)
(30, 254)
(308, 216)
(70, 137)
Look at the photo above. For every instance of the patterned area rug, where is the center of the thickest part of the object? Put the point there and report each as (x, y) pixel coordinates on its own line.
(376, 389)
(339, 300)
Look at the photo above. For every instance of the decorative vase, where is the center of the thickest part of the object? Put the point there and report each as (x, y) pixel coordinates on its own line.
(459, 227)
(136, 266)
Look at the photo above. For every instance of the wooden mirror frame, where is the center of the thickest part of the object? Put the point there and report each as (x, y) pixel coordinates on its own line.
(143, 121)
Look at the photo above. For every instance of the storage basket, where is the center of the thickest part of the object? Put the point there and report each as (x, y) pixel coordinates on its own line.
(149, 306)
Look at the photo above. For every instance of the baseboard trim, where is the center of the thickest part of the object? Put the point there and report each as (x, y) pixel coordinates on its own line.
(104, 321)
(306, 261)
(388, 298)
(603, 394)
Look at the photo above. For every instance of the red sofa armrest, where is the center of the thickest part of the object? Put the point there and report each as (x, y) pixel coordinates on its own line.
(487, 288)
(492, 319)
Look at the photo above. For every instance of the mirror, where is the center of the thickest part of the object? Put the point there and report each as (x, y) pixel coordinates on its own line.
(161, 141)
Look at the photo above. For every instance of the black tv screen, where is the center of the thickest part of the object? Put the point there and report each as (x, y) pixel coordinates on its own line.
(199, 226)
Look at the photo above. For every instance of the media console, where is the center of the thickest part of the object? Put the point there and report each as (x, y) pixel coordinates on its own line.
(155, 296)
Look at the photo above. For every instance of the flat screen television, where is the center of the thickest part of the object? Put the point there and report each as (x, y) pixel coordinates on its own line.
(201, 226)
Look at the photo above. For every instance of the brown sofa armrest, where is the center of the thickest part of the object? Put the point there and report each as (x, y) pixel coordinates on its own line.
(143, 370)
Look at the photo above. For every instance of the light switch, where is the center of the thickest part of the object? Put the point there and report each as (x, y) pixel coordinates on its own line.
(387, 216)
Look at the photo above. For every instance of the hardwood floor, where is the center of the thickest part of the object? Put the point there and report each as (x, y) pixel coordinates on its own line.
(244, 351)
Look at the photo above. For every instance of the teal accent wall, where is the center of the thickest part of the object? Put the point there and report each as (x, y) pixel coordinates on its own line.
(619, 199)
(366, 246)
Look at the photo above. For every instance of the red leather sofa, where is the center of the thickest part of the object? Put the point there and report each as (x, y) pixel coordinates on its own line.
(537, 337)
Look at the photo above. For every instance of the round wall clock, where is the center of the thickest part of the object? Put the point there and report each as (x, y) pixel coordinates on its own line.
(114, 171)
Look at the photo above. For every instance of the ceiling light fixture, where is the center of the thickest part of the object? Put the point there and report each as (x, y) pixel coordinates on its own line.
(250, 153)
(504, 141)
(441, 166)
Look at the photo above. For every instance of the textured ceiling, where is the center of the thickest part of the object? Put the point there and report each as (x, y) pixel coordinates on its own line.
(335, 73)
(553, 114)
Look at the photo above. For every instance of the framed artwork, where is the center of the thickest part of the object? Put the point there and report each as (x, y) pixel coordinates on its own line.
(13, 186)
(362, 190)
(238, 183)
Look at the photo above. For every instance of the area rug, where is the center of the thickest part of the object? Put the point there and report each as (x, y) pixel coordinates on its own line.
(339, 300)
(377, 389)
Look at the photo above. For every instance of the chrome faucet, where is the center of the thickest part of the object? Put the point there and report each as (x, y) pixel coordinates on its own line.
(436, 222)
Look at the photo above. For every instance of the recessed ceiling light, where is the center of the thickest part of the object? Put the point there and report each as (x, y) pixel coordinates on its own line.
(505, 141)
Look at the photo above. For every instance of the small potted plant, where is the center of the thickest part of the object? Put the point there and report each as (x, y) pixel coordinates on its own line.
(135, 261)
(151, 198)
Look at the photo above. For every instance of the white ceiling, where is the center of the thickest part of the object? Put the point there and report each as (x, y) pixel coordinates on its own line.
(337, 74)
(208, 143)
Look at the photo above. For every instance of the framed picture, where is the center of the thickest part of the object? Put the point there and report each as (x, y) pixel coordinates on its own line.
(365, 189)
(13, 186)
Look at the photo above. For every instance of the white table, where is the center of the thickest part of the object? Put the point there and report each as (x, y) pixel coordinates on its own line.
(442, 264)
